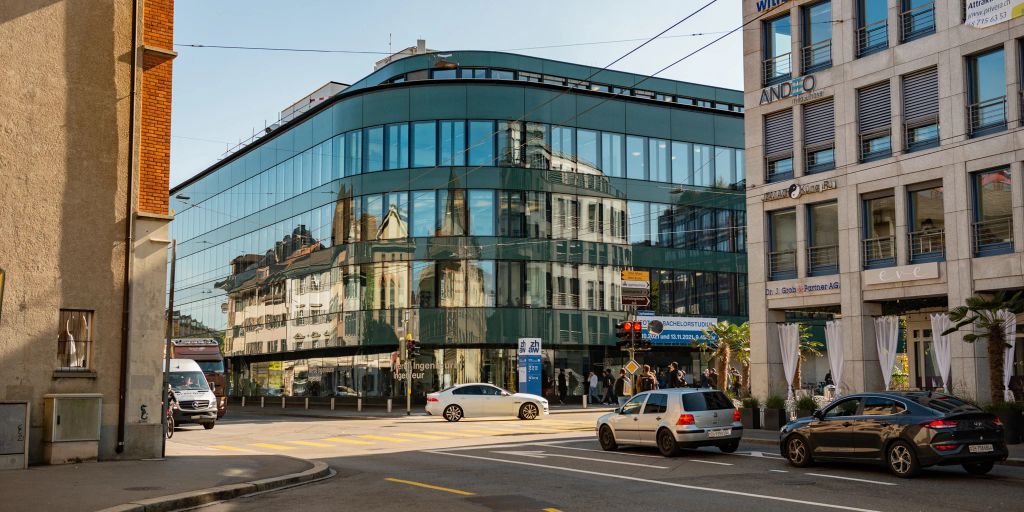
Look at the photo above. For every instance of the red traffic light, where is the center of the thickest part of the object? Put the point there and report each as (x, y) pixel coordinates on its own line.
(628, 326)
(636, 326)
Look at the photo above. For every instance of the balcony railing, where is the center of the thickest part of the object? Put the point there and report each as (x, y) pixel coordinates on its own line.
(993, 236)
(817, 56)
(782, 264)
(872, 38)
(917, 22)
(776, 70)
(823, 259)
(879, 252)
(986, 117)
(74, 356)
(927, 245)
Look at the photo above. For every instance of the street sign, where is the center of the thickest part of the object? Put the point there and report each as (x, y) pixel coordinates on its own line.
(639, 285)
(632, 366)
(636, 275)
(530, 356)
(636, 300)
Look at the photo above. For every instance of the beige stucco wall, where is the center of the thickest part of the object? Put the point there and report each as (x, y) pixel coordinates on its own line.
(65, 96)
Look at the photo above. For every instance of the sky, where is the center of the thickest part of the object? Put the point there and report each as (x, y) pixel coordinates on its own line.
(222, 95)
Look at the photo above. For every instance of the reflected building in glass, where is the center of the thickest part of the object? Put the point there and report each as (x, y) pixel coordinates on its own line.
(469, 200)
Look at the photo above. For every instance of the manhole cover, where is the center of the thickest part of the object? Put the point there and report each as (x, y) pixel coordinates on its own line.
(143, 488)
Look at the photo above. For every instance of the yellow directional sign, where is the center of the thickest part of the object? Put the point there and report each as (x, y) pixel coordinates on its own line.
(636, 275)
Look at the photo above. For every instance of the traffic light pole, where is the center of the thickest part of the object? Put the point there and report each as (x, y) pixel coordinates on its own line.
(408, 369)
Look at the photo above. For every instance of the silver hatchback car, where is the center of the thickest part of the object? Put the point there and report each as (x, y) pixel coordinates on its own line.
(672, 419)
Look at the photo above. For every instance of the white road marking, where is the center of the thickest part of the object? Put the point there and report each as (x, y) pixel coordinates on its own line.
(711, 462)
(539, 454)
(851, 479)
(559, 445)
(655, 482)
(764, 455)
(778, 471)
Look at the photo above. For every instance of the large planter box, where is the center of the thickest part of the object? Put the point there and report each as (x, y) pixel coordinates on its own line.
(1012, 426)
(774, 419)
(750, 417)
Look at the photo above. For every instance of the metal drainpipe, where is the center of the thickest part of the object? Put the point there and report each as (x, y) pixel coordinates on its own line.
(128, 239)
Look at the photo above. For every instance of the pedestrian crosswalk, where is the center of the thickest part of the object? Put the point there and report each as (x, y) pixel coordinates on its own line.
(466, 430)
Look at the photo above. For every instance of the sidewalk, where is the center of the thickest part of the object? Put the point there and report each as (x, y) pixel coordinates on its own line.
(368, 412)
(168, 484)
(771, 438)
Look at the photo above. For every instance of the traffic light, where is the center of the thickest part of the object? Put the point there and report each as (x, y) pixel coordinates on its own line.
(623, 334)
(413, 348)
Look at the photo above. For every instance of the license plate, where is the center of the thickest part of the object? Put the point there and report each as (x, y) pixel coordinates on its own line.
(196, 417)
(980, 448)
(720, 433)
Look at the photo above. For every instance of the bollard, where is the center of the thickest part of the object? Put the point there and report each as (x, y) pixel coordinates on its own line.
(584, 401)
(243, 401)
(307, 402)
(261, 402)
(359, 405)
(332, 404)
(282, 401)
(389, 405)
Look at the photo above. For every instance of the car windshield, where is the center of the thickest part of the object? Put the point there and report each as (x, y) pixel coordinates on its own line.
(211, 366)
(187, 381)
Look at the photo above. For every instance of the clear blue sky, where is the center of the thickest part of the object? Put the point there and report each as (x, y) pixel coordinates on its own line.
(221, 95)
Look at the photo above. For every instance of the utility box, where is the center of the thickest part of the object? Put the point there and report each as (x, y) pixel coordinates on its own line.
(71, 427)
(14, 426)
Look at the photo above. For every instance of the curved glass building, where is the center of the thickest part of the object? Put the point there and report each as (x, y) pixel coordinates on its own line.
(470, 200)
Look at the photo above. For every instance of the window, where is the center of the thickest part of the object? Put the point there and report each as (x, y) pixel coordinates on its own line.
(817, 52)
(703, 166)
(917, 19)
(480, 283)
(481, 212)
(452, 212)
(353, 153)
(452, 143)
(872, 27)
(986, 90)
(633, 405)
(451, 284)
(993, 213)
(657, 403)
(502, 74)
(638, 230)
(782, 244)
(725, 173)
(510, 141)
(511, 282)
(468, 390)
(538, 146)
(398, 146)
(658, 151)
(636, 158)
(563, 149)
(874, 120)
(512, 214)
(843, 409)
(927, 225)
(879, 232)
(439, 74)
(612, 160)
(777, 51)
(538, 218)
(424, 213)
(705, 401)
(778, 146)
(74, 340)
(423, 286)
(374, 140)
(819, 136)
(538, 279)
(823, 238)
(682, 163)
(424, 144)
(876, 406)
(921, 109)
(481, 143)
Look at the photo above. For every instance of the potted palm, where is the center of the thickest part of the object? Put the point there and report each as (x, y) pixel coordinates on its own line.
(719, 341)
(774, 413)
(982, 314)
(808, 348)
(750, 413)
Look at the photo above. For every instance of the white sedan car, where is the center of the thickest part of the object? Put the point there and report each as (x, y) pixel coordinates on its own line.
(476, 400)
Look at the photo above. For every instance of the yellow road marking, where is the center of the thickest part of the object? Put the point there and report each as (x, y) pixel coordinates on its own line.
(385, 438)
(310, 443)
(273, 446)
(549, 509)
(347, 440)
(420, 436)
(229, 448)
(428, 486)
(487, 432)
(456, 434)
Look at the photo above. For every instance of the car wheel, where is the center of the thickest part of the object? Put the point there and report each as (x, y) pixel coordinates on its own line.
(208, 426)
(606, 437)
(452, 413)
(667, 444)
(528, 411)
(798, 453)
(729, 447)
(979, 468)
(902, 460)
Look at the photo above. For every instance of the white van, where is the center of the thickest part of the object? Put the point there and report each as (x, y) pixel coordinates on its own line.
(196, 402)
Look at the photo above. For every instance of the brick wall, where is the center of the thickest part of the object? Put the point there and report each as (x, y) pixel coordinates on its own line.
(155, 110)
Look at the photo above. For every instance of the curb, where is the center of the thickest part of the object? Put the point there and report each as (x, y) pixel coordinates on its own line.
(191, 499)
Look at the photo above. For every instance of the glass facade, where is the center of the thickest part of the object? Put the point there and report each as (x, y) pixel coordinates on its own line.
(310, 253)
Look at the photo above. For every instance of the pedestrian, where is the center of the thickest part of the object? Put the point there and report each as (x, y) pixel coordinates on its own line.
(705, 378)
(713, 378)
(683, 382)
(595, 390)
(673, 375)
(609, 387)
(662, 375)
(572, 381)
(562, 387)
(623, 387)
(828, 378)
(734, 376)
(647, 381)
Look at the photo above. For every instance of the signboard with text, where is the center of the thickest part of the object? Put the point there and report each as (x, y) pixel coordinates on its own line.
(986, 13)
(530, 359)
(674, 330)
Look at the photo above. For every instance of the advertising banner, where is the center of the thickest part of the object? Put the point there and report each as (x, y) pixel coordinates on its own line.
(674, 330)
(985, 13)
(529, 363)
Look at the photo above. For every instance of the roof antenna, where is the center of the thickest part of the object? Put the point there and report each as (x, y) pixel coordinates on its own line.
(389, 43)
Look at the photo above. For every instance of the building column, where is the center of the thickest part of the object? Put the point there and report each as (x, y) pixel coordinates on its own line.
(860, 353)
(766, 374)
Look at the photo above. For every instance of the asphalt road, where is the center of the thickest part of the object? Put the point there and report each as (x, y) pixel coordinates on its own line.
(567, 470)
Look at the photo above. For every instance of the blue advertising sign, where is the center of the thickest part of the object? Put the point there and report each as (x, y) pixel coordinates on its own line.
(674, 330)
(530, 359)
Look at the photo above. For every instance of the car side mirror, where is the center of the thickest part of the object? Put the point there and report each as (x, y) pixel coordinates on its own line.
(506, 393)
(819, 414)
(618, 410)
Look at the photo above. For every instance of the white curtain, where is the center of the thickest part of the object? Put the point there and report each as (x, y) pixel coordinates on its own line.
(886, 339)
(789, 344)
(1010, 328)
(940, 345)
(834, 345)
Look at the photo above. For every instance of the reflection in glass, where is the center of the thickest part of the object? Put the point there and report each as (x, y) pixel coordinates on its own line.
(612, 154)
(638, 227)
(512, 214)
(511, 280)
(451, 284)
(538, 146)
(566, 286)
(353, 153)
(395, 223)
(661, 224)
(453, 142)
(480, 283)
(453, 212)
(682, 164)
(587, 151)
(372, 212)
(564, 208)
(374, 160)
(424, 213)
(537, 279)
(592, 221)
(481, 143)
(636, 158)
(424, 143)
(563, 149)
(510, 142)
(481, 212)
(537, 223)
(659, 160)
(398, 146)
(703, 166)
(724, 172)
(423, 287)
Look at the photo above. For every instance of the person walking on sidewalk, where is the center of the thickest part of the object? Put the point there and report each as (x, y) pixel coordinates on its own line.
(705, 378)
(623, 387)
(574, 383)
(673, 375)
(647, 381)
(713, 378)
(562, 386)
(595, 390)
(609, 387)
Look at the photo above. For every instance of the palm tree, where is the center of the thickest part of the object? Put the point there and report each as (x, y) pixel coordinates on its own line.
(808, 347)
(719, 341)
(742, 351)
(982, 313)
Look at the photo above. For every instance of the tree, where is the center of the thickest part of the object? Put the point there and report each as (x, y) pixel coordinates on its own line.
(742, 351)
(719, 341)
(982, 313)
(808, 347)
